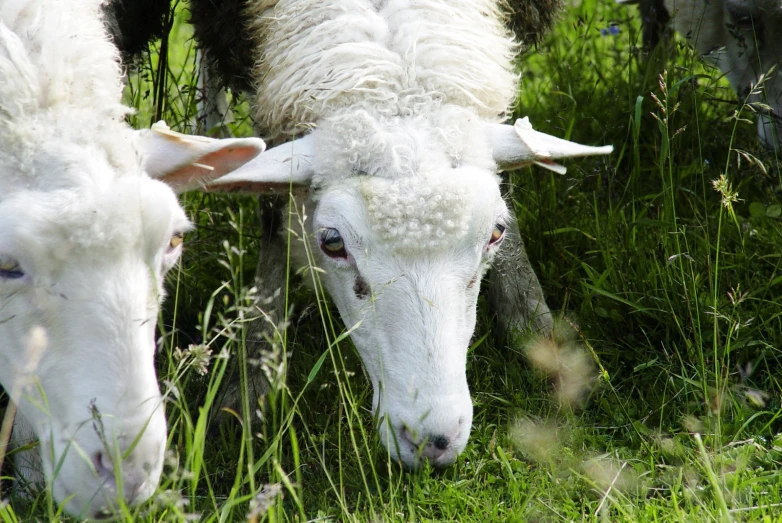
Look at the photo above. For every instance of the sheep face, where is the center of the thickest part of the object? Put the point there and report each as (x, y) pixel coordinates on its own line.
(403, 261)
(83, 255)
(405, 215)
(742, 38)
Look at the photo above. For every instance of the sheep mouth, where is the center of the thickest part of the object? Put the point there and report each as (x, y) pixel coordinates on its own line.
(100, 514)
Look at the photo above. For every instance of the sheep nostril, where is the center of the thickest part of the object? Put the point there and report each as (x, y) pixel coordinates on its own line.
(440, 442)
(103, 465)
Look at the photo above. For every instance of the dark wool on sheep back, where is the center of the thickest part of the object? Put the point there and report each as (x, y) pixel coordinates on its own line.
(134, 23)
(531, 19)
(220, 31)
(654, 20)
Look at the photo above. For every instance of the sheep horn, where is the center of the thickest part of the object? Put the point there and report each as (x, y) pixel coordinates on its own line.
(519, 145)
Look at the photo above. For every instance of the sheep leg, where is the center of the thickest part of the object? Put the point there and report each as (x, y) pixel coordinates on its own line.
(514, 291)
(265, 330)
(213, 111)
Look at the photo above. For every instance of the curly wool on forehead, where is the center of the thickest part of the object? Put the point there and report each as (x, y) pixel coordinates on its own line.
(417, 213)
(360, 142)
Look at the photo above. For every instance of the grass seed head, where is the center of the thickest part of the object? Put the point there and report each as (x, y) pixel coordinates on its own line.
(196, 357)
(668, 445)
(262, 501)
(609, 474)
(566, 362)
(539, 442)
(756, 398)
(692, 424)
(723, 186)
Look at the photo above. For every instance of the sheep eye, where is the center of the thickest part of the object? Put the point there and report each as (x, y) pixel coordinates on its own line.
(176, 240)
(332, 244)
(9, 268)
(497, 234)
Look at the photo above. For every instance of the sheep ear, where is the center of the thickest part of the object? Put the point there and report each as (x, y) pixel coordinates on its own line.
(519, 145)
(190, 162)
(285, 167)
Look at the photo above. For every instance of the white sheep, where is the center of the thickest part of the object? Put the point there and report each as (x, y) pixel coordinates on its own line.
(86, 238)
(741, 37)
(392, 110)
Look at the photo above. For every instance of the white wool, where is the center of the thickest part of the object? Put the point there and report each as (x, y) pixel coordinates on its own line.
(412, 216)
(399, 58)
(61, 79)
(358, 142)
(71, 62)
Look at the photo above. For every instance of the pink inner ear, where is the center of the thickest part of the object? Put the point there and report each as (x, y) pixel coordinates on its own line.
(223, 161)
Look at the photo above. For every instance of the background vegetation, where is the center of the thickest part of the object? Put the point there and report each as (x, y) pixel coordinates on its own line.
(659, 401)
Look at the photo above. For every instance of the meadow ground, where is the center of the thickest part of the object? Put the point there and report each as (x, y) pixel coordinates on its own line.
(661, 401)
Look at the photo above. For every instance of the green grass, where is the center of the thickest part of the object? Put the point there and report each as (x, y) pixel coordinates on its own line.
(673, 294)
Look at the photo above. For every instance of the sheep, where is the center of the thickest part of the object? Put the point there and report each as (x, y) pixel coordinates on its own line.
(86, 237)
(741, 37)
(388, 118)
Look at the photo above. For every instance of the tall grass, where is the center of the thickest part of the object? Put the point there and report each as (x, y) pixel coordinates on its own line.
(664, 258)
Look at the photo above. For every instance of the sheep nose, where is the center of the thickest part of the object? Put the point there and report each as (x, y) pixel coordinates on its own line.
(435, 447)
(134, 478)
(440, 442)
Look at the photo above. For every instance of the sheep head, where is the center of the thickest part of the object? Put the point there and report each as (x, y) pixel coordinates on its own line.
(81, 272)
(405, 215)
(86, 239)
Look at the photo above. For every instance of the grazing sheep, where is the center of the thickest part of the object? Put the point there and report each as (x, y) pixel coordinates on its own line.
(389, 117)
(742, 37)
(86, 238)
(232, 52)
